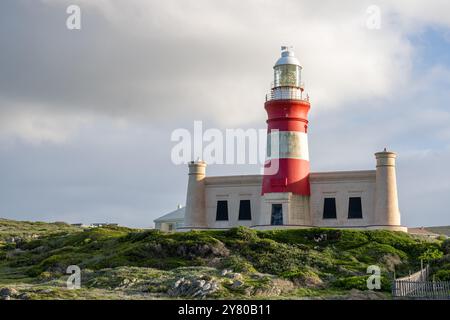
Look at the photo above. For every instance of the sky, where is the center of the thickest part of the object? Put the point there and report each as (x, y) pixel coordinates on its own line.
(86, 116)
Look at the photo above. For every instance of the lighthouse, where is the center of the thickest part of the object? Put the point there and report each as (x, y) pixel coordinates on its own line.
(287, 194)
(285, 186)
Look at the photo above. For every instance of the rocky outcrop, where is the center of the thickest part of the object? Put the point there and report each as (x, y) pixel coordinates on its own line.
(8, 293)
(193, 288)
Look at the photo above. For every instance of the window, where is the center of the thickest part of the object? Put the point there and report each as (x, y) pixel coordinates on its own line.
(170, 226)
(245, 210)
(222, 210)
(354, 208)
(277, 215)
(329, 208)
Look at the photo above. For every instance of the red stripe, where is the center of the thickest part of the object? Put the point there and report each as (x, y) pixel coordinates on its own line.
(287, 115)
(292, 176)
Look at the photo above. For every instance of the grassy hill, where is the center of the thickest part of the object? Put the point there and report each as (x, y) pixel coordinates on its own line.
(25, 230)
(123, 263)
(445, 230)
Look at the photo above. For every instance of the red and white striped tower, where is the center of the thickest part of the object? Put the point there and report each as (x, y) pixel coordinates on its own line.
(287, 171)
(287, 112)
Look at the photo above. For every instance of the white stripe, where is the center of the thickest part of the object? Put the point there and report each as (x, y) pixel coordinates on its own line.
(292, 145)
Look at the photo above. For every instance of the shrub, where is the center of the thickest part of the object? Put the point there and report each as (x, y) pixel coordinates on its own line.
(431, 254)
(374, 252)
(446, 246)
(304, 278)
(242, 233)
(360, 283)
(45, 275)
(442, 275)
(237, 264)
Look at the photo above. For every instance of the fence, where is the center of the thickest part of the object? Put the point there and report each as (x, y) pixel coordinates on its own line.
(417, 286)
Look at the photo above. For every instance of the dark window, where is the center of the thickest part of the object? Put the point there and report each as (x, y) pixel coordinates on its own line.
(277, 215)
(245, 212)
(329, 208)
(222, 210)
(354, 208)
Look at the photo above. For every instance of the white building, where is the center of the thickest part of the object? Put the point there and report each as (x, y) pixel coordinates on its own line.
(171, 221)
(292, 197)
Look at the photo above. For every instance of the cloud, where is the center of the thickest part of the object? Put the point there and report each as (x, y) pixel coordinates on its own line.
(199, 59)
(86, 116)
(36, 125)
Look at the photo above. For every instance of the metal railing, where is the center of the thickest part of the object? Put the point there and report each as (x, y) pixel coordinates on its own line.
(286, 93)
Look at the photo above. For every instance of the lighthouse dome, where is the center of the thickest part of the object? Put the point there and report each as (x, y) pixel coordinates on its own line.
(287, 57)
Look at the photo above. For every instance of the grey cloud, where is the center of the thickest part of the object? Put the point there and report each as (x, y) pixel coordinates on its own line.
(159, 66)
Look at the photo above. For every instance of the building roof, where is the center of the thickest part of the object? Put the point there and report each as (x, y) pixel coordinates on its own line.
(172, 216)
(287, 57)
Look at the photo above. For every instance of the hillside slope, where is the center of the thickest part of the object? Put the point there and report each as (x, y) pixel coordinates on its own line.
(16, 231)
(123, 263)
(445, 230)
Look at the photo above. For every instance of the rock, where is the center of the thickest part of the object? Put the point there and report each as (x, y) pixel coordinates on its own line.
(195, 288)
(8, 292)
(274, 288)
(259, 275)
(321, 237)
(46, 291)
(207, 286)
(225, 272)
(237, 284)
(11, 240)
(23, 296)
(6, 298)
(126, 283)
(235, 276)
(178, 282)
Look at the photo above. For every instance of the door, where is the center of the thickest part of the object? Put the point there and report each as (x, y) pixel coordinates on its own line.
(277, 214)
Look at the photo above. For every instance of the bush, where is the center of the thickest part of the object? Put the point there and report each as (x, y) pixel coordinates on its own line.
(306, 278)
(360, 283)
(238, 264)
(242, 233)
(446, 246)
(431, 254)
(310, 237)
(46, 275)
(375, 252)
(442, 275)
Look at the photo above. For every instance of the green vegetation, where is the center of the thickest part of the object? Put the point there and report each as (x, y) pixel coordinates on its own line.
(23, 230)
(119, 262)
